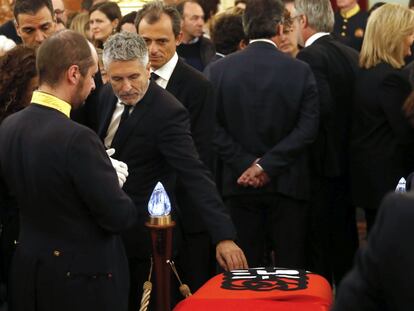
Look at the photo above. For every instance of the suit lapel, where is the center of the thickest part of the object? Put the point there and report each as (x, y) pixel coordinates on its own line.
(175, 80)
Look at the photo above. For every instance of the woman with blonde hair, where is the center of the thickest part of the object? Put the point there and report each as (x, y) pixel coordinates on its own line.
(80, 23)
(382, 140)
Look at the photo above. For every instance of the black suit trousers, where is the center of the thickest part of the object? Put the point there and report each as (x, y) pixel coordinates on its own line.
(333, 236)
(270, 222)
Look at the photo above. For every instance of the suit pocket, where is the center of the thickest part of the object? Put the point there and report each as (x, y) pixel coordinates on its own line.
(90, 282)
(89, 266)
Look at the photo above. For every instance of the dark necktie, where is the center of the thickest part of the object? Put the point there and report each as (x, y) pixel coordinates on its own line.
(125, 114)
(154, 76)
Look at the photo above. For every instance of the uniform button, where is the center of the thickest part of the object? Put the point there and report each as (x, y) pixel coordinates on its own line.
(345, 20)
(343, 34)
(56, 253)
(344, 27)
(94, 276)
(68, 274)
(109, 275)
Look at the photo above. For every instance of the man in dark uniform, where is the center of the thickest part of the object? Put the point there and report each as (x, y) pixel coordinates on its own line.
(350, 23)
(71, 206)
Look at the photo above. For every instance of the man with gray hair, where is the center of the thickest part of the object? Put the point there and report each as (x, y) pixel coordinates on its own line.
(333, 238)
(150, 131)
(267, 115)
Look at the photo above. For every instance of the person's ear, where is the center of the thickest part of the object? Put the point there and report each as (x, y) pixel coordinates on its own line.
(114, 23)
(242, 44)
(303, 21)
(16, 25)
(179, 38)
(148, 70)
(73, 74)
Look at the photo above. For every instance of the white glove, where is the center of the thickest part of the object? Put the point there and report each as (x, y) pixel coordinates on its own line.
(120, 167)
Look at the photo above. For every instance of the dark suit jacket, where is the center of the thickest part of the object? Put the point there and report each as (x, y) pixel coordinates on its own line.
(156, 144)
(335, 66)
(382, 140)
(71, 208)
(195, 92)
(207, 50)
(8, 30)
(267, 107)
(382, 273)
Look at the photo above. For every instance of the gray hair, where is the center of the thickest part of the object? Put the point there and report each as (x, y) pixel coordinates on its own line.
(125, 46)
(318, 12)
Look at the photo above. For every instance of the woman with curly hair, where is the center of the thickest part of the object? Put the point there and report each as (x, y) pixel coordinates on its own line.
(18, 79)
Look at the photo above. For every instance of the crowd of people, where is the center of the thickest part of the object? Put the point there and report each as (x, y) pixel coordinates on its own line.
(267, 124)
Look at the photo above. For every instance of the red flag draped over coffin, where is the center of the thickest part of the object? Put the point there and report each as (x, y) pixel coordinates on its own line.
(262, 289)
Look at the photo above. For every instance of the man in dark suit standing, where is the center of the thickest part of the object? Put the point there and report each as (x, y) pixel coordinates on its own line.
(69, 255)
(160, 27)
(150, 131)
(267, 113)
(382, 274)
(333, 238)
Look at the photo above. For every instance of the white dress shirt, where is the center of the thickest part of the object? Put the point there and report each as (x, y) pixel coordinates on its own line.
(315, 37)
(263, 40)
(114, 124)
(166, 71)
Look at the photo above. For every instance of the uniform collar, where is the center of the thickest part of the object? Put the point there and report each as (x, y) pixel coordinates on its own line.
(48, 100)
(351, 12)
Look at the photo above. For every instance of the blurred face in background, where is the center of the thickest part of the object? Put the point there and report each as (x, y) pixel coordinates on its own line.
(101, 26)
(193, 21)
(34, 29)
(59, 10)
(287, 42)
(345, 5)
